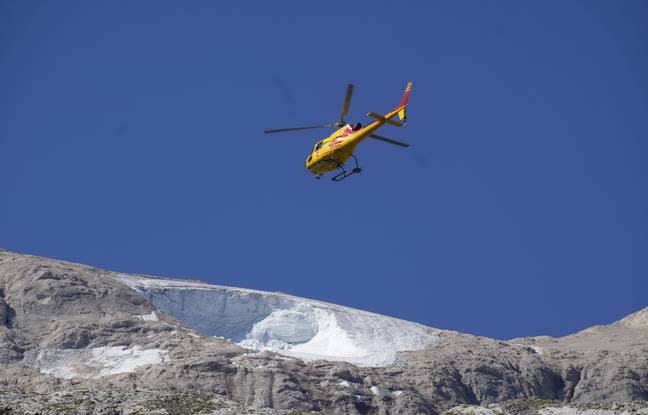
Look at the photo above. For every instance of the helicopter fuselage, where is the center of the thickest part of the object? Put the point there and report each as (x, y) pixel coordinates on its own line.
(333, 151)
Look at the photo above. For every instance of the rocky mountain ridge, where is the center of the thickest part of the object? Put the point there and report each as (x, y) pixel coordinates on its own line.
(68, 327)
(636, 320)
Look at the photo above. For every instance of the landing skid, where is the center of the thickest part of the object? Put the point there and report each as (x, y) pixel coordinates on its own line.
(345, 173)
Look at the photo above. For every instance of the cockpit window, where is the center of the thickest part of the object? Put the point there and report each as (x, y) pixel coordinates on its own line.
(309, 159)
(319, 145)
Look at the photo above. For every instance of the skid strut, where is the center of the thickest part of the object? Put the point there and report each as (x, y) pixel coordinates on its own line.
(345, 173)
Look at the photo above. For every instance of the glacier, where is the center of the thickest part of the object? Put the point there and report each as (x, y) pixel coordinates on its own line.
(282, 323)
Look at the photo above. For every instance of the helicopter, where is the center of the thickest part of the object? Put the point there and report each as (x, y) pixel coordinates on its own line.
(332, 152)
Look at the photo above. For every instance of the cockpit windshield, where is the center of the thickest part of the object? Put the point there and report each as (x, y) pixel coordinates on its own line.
(316, 147)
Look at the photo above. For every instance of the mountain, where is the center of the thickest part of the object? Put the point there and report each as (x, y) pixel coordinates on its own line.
(94, 341)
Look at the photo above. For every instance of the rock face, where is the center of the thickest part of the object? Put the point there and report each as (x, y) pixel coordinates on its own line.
(636, 320)
(66, 329)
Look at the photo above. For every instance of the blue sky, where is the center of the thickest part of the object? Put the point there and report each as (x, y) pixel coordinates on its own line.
(131, 139)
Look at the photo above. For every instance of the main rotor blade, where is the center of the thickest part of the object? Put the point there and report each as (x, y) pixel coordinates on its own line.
(279, 130)
(347, 102)
(388, 140)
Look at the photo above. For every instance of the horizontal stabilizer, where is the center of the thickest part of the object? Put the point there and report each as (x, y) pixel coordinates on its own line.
(383, 119)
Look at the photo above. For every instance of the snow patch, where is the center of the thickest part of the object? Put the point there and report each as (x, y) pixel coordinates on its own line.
(375, 390)
(539, 350)
(285, 324)
(96, 362)
(148, 317)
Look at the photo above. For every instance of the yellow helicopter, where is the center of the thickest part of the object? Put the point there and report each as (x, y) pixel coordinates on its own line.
(333, 151)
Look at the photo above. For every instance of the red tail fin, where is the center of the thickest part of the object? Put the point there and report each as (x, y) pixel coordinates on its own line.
(400, 109)
(406, 94)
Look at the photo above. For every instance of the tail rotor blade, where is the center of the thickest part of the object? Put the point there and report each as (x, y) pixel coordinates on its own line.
(389, 140)
(347, 102)
(279, 130)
